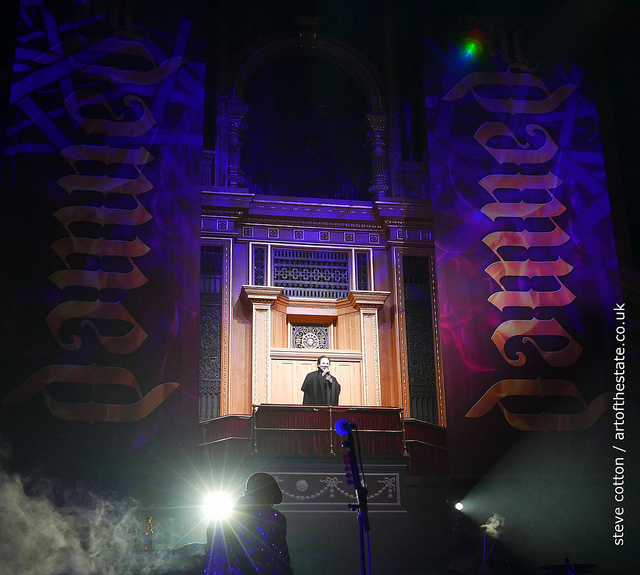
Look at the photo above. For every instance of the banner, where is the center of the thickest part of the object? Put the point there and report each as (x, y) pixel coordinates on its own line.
(526, 264)
(100, 209)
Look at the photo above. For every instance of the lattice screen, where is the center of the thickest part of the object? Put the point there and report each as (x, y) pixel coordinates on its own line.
(311, 274)
(423, 392)
(210, 330)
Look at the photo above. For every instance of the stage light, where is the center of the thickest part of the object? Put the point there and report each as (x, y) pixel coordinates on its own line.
(218, 505)
(470, 49)
(472, 46)
(459, 506)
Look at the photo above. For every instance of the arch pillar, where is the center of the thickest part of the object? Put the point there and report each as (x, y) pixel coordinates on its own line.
(260, 299)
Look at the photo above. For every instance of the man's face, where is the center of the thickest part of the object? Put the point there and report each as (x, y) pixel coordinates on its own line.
(324, 363)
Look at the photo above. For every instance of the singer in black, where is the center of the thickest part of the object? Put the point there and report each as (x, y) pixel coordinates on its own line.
(320, 387)
(254, 539)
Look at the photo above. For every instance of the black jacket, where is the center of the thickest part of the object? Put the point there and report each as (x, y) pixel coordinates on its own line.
(318, 391)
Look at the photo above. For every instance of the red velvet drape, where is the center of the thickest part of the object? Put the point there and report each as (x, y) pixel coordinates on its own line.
(296, 430)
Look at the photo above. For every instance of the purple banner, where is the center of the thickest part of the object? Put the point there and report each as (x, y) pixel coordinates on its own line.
(101, 211)
(526, 262)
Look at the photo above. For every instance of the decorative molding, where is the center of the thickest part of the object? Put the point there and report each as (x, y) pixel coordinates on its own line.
(236, 111)
(267, 356)
(312, 354)
(401, 332)
(260, 298)
(372, 216)
(225, 350)
(264, 323)
(335, 225)
(206, 164)
(376, 354)
(225, 378)
(368, 302)
(310, 336)
(367, 299)
(442, 412)
(254, 357)
(259, 294)
(377, 147)
(210, 332)
(326, 489)
(365, 362)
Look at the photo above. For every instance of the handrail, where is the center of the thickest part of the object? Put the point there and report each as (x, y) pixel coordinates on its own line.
(332, 411)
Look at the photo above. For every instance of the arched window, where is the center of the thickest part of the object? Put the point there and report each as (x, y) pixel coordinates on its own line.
(306, 131)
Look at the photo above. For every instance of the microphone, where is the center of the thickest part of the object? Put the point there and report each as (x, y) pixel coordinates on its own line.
(344, 427)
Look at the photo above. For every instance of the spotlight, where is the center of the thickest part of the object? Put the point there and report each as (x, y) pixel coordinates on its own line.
(218, 506)
(471, 47)
(459, 506)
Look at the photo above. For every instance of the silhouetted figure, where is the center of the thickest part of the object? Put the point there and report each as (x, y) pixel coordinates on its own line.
(254, 538)
(320, 387)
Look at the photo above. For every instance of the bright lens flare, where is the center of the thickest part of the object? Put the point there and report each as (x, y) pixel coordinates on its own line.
(459, 506)
(470, 50)
(472, 46)
(218, 506)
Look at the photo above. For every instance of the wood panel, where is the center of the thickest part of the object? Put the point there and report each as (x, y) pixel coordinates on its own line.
(279, 328)
(349, 375)
(286, 379)
(348, 332)
(287, 375)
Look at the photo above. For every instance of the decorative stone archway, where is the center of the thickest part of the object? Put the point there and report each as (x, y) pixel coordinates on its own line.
(307, 42)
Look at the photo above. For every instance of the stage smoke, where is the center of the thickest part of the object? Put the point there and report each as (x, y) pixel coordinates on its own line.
(46, 529)
(493, 526)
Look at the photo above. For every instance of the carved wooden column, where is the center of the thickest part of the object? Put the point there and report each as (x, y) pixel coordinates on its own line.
(368, 302)
(379, 182)
(237, 111)
(260, 298)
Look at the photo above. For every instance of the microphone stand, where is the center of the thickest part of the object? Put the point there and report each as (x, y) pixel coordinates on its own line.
(361, 499)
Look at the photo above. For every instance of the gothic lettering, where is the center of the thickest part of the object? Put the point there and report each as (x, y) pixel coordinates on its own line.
(99, 279)
(508, 155)
(92, 375)
(154, 74)
(533, 331)
(510, 79)
(531, 225)
(88, 314)
(541, 421)
(115, 127)
(532, 299)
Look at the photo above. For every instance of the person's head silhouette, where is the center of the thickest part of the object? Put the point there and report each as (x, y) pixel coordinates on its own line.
(262, 489)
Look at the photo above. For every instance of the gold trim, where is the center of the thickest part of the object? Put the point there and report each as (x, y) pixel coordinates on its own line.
(398, 254)
(225, 351)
